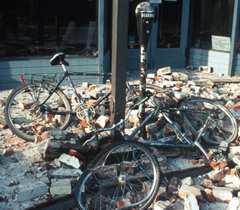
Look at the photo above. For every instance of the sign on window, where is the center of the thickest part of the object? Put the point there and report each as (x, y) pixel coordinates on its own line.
(222, 43)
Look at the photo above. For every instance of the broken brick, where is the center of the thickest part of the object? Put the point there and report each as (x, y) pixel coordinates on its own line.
(24, 105)
(103, 121)
(91, 88)
(187, 190)
(194, 162)
(9, 152)
(208, 194)
(173, 186)
(207, 183)
(3, 126)
(222, 183)
(216, 175)
(218, 165)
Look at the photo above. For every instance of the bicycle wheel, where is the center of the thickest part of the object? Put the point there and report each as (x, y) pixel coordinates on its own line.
(124, 175)
(221, 127)
(27, 119)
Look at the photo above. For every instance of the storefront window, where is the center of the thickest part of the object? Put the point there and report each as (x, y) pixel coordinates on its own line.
(43, 27)
(169, 24)
(133, 40)
(238, 40)
(212, 24)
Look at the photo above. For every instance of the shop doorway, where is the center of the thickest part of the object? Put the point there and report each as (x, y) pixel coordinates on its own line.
(168, 43)
(169, 36)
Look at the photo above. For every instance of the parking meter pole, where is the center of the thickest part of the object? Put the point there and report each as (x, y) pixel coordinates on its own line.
(142, 86)
(145, 16)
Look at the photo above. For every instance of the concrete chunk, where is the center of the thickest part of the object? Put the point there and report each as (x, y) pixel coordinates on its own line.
(187, 190)
(63, 173)
(164, 71)
(163, 205)
(60, 187)
(234, 204)
(69, 160)
(191, 203)
(31, 190)
(216, 176)
(223, 194)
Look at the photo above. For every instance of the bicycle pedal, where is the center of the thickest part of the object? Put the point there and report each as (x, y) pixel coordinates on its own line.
(210, 153)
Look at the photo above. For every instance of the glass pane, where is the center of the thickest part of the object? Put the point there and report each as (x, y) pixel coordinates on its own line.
(169, 24)
(212, 21)
(44, 27)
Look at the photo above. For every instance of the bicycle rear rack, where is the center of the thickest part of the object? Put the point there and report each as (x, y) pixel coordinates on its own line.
(42, 78)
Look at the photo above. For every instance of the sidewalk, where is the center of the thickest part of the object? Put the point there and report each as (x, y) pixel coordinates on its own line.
(21, 162)
(199, 77)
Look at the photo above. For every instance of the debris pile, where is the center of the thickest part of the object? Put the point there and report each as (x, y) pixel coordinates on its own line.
(32, 173)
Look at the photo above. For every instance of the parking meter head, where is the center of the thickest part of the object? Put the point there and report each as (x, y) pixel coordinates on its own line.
(145, 17)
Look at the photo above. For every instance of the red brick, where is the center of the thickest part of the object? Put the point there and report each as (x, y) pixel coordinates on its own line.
(178, 85)
(167, 130)
(237, 105)
(216, 175)
(218, 165)
(75, 153)
(208, 194)
(3, 126)
(173, 186)
(2, 103)
(83, 123)
(42, 164)
(91, 88)
(194, 162)
(74, 98)
(91, 102)
(120, 203)
(222, 183)
(207, 183)
(46, 135)
(9, 152)
(24, 105)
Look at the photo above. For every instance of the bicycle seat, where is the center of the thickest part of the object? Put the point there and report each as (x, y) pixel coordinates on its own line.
(58, 59)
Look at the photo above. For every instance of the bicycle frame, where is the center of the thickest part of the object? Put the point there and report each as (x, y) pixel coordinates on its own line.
(180, 135)
(68, 74)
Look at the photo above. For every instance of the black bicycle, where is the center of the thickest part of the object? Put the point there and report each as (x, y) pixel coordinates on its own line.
(38, 106)
(126, 174)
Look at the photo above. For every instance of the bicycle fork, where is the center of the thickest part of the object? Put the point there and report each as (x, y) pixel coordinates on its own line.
(181, 136)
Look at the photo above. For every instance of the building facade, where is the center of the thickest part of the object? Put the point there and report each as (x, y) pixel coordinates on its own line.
(31, 32)
(185, 32)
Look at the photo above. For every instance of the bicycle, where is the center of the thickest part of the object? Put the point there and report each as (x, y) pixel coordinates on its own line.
(126, 174)
(37, 105)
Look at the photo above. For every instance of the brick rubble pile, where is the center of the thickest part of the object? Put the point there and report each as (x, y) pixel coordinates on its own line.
(32, 173)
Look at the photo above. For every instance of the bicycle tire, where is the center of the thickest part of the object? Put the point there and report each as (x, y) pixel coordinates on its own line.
(25, 118)
(114, 169)
(222, 126)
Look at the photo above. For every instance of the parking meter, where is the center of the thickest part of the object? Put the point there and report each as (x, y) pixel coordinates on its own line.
(145, 18)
